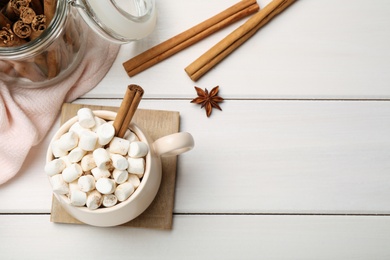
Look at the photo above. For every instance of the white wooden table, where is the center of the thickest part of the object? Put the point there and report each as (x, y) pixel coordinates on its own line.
(296, 166)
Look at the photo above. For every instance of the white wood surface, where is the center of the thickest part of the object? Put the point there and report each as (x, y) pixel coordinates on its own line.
(203, 237)
(315, 49)
(296, 166)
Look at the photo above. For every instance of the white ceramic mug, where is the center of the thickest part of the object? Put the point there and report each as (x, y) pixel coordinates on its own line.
(143, 196)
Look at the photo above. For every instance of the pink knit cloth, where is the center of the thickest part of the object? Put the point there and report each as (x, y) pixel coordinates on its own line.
(26, 115)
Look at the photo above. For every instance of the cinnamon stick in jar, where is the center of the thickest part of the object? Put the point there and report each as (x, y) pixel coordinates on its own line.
(21, 29)
(4, 21)
(27, 14)
(29, 19)
(9, 39)
(28, 70)
(49, 9)
(37, 6)
(14, 7)
(38, 25)
(3, 3)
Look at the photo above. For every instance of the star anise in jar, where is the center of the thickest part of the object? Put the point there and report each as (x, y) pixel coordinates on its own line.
(208, 100)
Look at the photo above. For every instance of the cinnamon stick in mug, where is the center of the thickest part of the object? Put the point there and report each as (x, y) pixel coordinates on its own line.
(127, 109)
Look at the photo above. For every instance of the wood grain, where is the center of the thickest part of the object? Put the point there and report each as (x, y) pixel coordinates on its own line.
(156, 123)
(220, 237)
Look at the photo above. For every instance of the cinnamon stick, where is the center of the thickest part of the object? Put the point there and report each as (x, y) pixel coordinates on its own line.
(127, 109)
(4, 21)
(21, 29)
(8, 38)
(6, 68)
(38, 25)
(189, 37)
(3, 3)
(9, 11)
(28, 70)
(27, 14)
(231, 42)
(37, 6)
(14, 8)
(52, 63)
(49, 8)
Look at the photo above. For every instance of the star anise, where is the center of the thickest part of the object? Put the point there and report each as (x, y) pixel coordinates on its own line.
(208, 100)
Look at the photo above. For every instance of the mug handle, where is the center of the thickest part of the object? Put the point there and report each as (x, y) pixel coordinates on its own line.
(173, 144)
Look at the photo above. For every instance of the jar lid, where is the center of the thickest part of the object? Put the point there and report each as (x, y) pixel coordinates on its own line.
(119, 21)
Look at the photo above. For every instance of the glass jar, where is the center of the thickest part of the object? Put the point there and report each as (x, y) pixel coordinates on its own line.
(53, 55)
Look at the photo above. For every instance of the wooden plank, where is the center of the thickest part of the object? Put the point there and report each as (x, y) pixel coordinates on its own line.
(303, 53)
(261, 156)
(202, 237)
(285, 156)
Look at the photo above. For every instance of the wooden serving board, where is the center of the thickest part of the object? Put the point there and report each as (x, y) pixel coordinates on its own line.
(156, 123)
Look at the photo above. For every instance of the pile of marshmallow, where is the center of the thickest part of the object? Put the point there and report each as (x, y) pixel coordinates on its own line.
(94, 168)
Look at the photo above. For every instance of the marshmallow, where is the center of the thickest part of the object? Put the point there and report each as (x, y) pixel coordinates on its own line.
(119, 162)
(76, 155)
(86, 183)
(130, 136)
(77, 198)
(133, 179)
(120, 176)
(68, 141)
(138, 149)
(87, 162)
(58, 184)
(124, 190)
(54, 167)
(105, 185)
(102, 158)
(119, 145)
(74, 185)
(98, 122)
(56, 150)
(94, 200)
(72, 172)
(88, 140)
(136, 165)
(66, 160)
(105, 133)
(98, 145)
(86, 117)
(109, 200)
(100, 173)
(77, 128)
